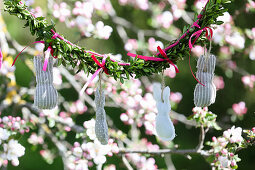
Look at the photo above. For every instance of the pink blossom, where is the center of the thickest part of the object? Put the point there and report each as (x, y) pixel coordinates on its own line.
(103, 31)
(165, 19)
(61, 11)
(84, 9)
(253, 32)
(178, 8)
(249, 80)
(224, 161)
(200, 4)
(219, 82)
(252, 53)
(239, 108)
(170, 72)
(224, 151)
(231, 64)
(236, 40)
(198, 50)
(37, 12)
(214, 139)
(225, 50)
(176, 97)
(250, 5)
(131, 44)
(153, 44)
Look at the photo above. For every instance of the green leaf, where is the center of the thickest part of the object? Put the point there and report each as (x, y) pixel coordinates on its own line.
(210, 158)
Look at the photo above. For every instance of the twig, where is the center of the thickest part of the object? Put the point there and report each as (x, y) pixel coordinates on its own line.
(126, 163)
(169, 162)
(158, 152)
(203, 132)
(77, 87)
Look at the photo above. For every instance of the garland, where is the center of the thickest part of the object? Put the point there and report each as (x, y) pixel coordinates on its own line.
(70, 54)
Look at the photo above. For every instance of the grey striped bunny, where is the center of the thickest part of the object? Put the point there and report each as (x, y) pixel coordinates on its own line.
(46, 95)
(205, 95)
(101, 128)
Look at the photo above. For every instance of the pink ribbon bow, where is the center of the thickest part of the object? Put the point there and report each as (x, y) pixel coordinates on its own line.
(102, 67)
(163, 53)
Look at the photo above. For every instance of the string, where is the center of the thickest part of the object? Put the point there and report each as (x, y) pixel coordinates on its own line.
(162, 85)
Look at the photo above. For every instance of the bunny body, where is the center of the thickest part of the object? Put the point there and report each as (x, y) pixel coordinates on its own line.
(164, 126)
(205, 95)
(45, 94)
(101, 128)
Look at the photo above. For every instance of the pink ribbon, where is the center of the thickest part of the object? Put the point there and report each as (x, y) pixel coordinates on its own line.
(146, 58)
(198, 34)
(163, 53)
(102, 67)
(24, 49)
(1, 58)
(46, 60)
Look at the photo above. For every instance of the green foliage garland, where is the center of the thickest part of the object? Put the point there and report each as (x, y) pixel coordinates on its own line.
(70, 55)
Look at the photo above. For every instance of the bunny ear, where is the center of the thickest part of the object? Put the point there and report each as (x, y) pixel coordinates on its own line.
(166, 94)
(157, 91)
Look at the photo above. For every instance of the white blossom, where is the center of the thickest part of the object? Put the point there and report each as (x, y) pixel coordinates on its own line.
(90, 126)
(97, 151)
(223, 161)
(4, 134)
(13, 150)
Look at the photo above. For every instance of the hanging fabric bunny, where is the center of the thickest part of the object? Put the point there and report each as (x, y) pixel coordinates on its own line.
(205, 95)
(164, 126)
(45, 94)
(101, 128)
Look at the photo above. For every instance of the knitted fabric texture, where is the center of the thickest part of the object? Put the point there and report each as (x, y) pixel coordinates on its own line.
(205, 95)
(46, 95)
(164, 126)
(101, 128)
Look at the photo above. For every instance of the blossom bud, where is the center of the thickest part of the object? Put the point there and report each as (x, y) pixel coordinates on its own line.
(253, 129)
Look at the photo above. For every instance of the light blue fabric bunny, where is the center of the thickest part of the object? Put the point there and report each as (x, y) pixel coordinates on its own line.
(164, 126)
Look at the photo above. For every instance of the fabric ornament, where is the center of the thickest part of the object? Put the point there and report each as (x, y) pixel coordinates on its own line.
(205, 95)
(206, 64)
(164, 126)
(46, 95)
(101, 128)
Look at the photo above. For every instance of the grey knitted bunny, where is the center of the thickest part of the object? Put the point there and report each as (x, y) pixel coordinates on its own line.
(101, 127)
(205, 95)
(45, 94)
